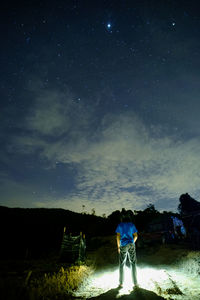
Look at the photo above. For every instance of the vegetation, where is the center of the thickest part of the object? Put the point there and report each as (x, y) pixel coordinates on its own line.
(58, 285)
(33, 234)
(188, 205)
(37, 233)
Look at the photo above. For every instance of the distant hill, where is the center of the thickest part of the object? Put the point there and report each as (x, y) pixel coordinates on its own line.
(40, 230)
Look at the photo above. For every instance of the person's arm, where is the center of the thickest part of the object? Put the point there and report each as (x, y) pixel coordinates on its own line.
(118, 242)
(135, 236)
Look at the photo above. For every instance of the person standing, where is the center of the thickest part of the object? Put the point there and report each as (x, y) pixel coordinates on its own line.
(126, 238)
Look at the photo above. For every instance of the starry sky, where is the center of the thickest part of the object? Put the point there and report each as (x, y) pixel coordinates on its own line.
(100, 104)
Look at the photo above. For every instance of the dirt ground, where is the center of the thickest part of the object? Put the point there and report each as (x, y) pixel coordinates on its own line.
(164, 272)
(139, 294)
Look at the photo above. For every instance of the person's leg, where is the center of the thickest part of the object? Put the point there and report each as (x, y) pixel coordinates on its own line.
(122, 260)
(134, 273)
(132, 257)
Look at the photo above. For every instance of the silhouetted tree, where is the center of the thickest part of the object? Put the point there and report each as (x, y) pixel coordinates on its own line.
(190, 210)
(114, 219)
(143, 218)
(83, 208)
(188, 204)
(151, 209)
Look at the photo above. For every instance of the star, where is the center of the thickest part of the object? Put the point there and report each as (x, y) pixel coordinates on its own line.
(108, 25)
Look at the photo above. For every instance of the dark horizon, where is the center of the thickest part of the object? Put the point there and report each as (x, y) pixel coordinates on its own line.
(84, 212)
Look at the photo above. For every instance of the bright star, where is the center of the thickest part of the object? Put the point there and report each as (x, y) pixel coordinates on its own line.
(173, 24)
(108, 25)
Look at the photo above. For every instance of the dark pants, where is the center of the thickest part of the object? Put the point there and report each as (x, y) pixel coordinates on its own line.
(129, 252)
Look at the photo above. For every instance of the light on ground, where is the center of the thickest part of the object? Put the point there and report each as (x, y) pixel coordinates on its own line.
(152, 279)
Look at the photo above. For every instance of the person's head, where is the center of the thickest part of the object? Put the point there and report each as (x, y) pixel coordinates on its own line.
(125, 216)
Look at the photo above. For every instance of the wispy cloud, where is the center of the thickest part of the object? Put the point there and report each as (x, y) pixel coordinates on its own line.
(118, 160)
(16, 194)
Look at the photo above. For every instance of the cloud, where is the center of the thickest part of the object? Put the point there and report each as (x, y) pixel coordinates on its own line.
(75, 203)
(54, 113)
(48, 117)
(118, 161)
(53, 118)
(16, 194)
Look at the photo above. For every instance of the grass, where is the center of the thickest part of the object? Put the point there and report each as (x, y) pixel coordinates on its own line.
(49, 279)
(58, 285)
(44, 279)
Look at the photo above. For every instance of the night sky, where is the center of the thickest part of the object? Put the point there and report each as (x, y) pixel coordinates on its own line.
(100, 104)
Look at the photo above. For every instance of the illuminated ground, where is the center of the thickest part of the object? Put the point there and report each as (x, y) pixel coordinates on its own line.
(178, 280)
(168, 283)
(164, 272)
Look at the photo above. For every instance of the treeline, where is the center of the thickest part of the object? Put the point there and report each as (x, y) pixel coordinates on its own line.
(38, 232)
(142, 218)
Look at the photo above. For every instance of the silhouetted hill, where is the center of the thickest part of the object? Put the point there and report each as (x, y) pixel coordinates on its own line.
(40, 230)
